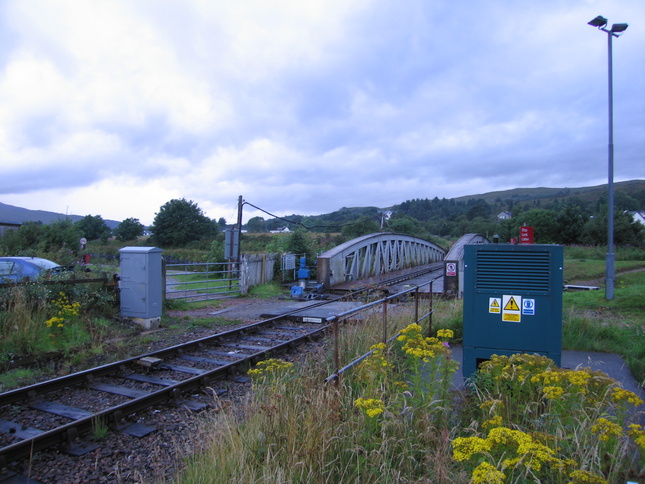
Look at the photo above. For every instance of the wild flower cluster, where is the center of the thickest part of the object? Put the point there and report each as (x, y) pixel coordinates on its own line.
(526, 407)
(415, 345)
(410, 375)
(64, 311)
(272, 367)
(637, 432)
(375, 365)
(371, 406)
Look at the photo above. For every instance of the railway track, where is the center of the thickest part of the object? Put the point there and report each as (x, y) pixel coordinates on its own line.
(61, 411)
(39, 416)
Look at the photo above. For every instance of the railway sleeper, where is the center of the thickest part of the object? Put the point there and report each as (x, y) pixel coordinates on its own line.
(74, 446)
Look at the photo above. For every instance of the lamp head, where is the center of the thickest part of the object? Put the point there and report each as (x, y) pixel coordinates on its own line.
(618, 28)
(599, 22)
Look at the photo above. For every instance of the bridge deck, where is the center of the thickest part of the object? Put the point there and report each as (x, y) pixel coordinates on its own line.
(400, 286)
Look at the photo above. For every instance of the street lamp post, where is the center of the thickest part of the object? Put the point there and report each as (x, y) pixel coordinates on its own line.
(615, 31)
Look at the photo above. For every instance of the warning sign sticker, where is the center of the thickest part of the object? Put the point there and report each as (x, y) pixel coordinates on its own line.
(495, 305)
(511, 308)
(451, 268)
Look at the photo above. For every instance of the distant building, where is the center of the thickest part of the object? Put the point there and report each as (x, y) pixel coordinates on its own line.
(504, 216)
(4, 226)
(281, 230)
(638, 217)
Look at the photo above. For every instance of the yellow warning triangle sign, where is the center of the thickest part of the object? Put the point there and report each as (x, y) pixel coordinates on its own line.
(511, 305)
(495, 303)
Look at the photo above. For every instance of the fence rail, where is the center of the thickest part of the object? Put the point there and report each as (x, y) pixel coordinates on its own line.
(104, 280)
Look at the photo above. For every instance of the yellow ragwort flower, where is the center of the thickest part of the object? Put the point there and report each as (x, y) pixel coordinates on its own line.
(583, 477)
(496, 421)
(619, 394)
(486, 473)
(371, 406)
(637, 433)
(606, 429)
(271, 366)
(552, 392)
(463, 448)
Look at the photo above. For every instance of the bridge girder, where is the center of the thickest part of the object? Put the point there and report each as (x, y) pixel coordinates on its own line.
(374, 254)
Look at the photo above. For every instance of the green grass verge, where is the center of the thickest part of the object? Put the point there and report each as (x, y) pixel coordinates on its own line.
(591, 323)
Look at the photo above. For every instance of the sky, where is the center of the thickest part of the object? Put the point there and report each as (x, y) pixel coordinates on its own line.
(116, 107)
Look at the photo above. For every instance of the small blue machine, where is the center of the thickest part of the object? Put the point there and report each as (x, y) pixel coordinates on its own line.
(303, 273)
(300, 291)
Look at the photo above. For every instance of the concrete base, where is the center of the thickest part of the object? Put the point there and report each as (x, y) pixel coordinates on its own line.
(148, 323)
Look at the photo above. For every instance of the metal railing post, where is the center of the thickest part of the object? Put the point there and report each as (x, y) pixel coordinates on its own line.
(336, 337)
(430, 312)
(385, 321)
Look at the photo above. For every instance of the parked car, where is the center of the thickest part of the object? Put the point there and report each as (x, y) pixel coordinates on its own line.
(19, 269)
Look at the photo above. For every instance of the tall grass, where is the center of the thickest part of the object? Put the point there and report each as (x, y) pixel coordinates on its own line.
(36, 320)
(22, 323)
(374, 427)
(393, 418)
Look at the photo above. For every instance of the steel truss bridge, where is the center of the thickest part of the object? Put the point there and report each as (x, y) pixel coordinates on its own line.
(375, 254)
(380, 253)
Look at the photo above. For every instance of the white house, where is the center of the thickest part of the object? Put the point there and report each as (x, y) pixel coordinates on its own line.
(504, 216)
(638, 217)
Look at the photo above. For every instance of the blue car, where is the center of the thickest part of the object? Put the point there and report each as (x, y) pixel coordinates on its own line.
(20, 269)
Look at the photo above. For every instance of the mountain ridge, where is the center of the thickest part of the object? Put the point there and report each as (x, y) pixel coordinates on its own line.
(13, 214)
(18, 215)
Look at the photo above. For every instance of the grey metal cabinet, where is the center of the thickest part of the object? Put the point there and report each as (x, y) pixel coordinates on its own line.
(141, 282)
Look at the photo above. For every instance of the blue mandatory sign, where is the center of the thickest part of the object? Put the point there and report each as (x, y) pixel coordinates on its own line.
(528, 307)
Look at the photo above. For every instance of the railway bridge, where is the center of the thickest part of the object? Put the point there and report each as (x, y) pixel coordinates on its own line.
(380, 253)
(374, 254)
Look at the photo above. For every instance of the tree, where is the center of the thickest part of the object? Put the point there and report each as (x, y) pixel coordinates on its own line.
(478, 208)
(179, 222)
(24, 240)
(404, 224)
(221, 223)
(256, 224)
(61, 239)
(129, 229)
(571, 221)
(297, 243)
(626, 232)
(93, 227)
(364, 227)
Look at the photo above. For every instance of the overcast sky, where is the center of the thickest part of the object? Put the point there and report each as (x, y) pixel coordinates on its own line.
(115, 107)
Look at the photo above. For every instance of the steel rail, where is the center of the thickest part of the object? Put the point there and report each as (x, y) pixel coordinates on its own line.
(65, 434)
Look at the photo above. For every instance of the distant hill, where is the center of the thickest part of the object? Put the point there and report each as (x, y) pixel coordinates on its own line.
(544, 194)
(12, 214)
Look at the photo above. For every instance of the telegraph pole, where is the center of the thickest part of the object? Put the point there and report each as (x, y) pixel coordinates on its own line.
(240, 204)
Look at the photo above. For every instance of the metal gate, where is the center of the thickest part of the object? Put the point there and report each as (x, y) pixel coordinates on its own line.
(202, 281)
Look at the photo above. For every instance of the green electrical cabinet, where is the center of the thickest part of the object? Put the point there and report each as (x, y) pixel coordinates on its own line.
(512, 302)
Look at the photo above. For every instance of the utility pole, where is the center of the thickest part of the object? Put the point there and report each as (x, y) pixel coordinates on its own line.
(240, 204)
